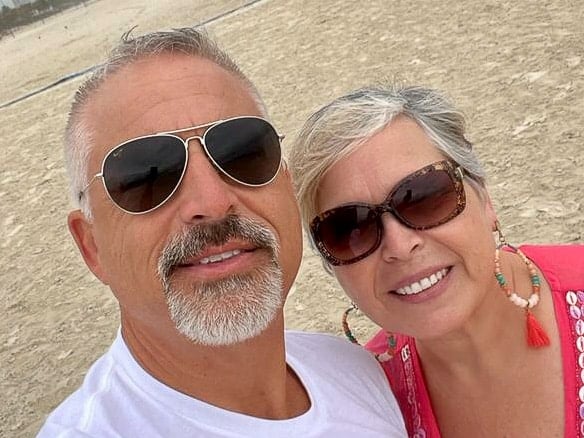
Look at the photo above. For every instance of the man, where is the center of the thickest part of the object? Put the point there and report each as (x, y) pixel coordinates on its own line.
(195, 228)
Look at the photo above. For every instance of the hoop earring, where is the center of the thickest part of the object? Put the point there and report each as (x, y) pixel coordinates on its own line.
(536, 335)
(391, 339)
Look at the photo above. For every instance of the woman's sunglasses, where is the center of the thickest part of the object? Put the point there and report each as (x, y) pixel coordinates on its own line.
(143, 173)
(425, 199)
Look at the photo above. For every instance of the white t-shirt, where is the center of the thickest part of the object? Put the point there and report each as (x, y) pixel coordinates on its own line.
(349, 395)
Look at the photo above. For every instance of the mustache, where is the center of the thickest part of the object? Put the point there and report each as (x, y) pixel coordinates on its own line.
(195, 239)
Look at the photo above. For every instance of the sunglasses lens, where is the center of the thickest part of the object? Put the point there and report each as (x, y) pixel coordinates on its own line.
(349, 232)
(247, 149)
(427, 200)
(141, 174)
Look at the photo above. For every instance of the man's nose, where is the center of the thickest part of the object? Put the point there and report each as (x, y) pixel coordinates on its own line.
(204, 194)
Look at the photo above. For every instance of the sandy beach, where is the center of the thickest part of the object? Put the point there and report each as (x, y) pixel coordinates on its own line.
(516, 68)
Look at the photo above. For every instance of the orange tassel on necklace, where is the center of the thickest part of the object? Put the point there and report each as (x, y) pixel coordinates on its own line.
(536, 335)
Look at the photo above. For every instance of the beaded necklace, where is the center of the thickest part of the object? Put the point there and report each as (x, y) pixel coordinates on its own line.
(536, 335)
(391, 339)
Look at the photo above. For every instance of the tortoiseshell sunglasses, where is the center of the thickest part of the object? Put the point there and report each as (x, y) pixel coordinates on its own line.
(429, 197)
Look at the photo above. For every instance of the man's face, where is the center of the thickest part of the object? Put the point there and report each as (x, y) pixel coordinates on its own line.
(209, 254)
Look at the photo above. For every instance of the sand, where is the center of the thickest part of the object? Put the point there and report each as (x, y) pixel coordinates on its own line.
(515, 67)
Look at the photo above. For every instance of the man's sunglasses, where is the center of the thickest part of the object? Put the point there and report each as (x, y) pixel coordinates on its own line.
(143, 173)
(425, 199)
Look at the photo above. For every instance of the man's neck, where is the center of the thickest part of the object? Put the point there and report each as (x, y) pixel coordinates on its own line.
(251, 377)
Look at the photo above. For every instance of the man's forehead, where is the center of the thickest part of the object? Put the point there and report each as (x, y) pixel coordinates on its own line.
(166, 92)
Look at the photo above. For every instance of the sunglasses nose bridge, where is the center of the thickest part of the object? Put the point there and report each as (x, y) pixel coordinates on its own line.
(201, 140)
(187, 141)
(383, 208)
(380, 210)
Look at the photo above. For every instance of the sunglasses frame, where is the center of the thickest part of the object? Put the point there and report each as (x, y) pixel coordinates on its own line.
(453, 170)
(185, 142)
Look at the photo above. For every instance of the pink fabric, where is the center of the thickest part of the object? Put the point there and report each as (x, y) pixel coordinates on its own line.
(563, 268)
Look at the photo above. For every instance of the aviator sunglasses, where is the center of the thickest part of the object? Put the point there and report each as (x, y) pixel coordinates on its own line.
(429, 197)
(141, 174)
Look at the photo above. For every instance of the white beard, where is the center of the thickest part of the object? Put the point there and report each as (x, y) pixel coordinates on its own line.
(227, 311)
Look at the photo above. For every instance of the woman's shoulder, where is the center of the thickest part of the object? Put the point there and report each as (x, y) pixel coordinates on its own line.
(565, 252)
(562, 265)
(396, 353)
(382, 342)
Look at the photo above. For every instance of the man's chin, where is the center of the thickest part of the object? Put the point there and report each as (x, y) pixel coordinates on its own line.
(225, 329)
(230, 311)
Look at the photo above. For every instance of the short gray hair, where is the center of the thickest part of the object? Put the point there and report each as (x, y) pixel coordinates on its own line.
(78, 133)
(339, 128)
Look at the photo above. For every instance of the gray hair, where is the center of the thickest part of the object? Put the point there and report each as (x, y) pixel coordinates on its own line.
(78, 134)
(339, 128)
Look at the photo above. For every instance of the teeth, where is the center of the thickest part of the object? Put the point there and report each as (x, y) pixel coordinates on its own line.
(422, 284)
(219, 257)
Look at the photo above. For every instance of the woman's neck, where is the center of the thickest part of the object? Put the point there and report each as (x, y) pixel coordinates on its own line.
(492, 336)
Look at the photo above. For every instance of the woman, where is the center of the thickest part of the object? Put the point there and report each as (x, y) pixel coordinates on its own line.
(476, 342)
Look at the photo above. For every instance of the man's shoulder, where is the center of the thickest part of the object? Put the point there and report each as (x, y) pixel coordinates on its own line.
(72, 416)
(341, 375)
(325, 348)
(300, 338)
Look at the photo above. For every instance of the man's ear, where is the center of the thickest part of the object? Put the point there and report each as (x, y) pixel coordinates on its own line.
(285, 168)
(82, 231)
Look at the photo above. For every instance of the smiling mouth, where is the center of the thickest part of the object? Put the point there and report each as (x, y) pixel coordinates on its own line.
(219, 257)
(215, 258)
(424, 283)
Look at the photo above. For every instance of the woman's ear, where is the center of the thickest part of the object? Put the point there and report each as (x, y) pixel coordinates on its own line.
(490, 212)
(486, 204)
(82, 231)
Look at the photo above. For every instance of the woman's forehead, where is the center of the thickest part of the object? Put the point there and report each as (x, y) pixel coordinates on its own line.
(374, 167)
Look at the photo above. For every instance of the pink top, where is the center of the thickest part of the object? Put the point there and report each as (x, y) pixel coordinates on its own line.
(563, 268)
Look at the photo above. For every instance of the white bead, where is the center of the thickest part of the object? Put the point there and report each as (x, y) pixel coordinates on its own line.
(580, 327)
(571, 298)
(518, 301)
(533, 300)
(384, 357)
(580, 344)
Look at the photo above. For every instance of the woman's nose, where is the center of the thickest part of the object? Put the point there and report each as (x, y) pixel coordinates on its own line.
(398, 242)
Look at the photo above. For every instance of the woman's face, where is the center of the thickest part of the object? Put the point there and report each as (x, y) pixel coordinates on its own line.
(461, 250)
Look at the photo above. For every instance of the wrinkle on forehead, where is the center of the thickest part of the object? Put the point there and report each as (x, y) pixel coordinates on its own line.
(164, 93)
(373, 169)
(136, 96)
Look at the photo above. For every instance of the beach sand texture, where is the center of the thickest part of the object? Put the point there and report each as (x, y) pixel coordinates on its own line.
(515, 67)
